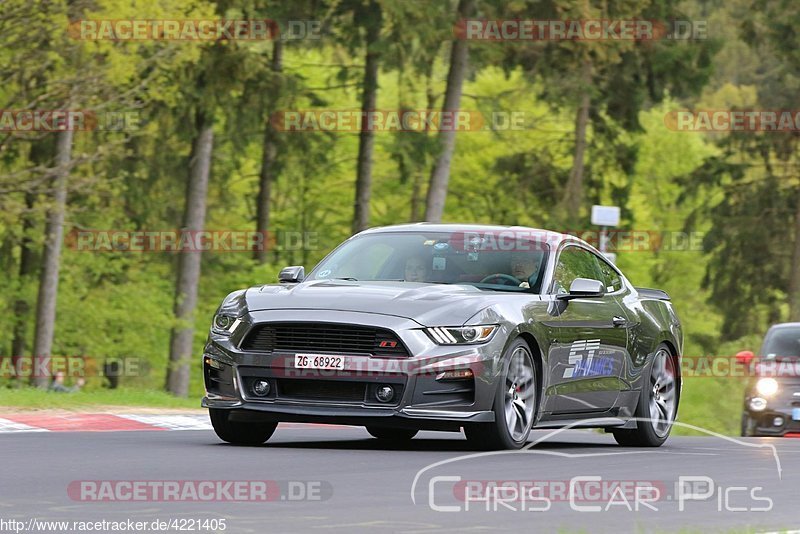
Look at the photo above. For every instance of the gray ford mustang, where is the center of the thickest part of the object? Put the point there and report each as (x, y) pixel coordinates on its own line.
(496, 330)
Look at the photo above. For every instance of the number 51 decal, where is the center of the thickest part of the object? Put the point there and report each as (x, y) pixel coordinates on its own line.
(577, 352)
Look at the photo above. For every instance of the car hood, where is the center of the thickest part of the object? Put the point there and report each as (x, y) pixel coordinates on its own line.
(427, 304)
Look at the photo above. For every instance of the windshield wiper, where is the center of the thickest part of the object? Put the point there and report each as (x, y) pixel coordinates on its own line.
(349, 278)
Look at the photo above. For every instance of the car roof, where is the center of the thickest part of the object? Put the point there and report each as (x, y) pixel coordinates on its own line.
(780, 326)
(550, 236)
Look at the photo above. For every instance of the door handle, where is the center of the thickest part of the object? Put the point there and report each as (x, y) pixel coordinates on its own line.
(618, 321)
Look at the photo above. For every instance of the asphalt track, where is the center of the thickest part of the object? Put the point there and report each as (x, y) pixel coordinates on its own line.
(338, 479)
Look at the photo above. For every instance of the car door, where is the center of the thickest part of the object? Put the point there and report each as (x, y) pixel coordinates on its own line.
(588, 338)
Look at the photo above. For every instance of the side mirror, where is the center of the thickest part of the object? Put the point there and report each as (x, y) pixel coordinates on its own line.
(293, 274)
(583, 288)
(745, 357)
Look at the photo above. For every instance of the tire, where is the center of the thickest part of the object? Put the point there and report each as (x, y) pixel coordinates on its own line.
(515, 403)
(746, 432)
(239, 433)
(658, 404)
(392, 434)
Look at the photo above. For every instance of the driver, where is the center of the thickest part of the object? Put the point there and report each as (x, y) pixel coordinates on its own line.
(524, 265)
(416, 269)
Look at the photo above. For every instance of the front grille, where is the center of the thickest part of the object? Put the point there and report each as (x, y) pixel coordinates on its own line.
(323, 337)
(330, 390)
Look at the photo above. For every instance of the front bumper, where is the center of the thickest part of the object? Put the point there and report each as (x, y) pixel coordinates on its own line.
(278, 412)
(763, 423)
(349, 396)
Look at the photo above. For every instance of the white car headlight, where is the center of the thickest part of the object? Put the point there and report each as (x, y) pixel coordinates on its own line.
(461, 335)
(224, 324)
(767, 386)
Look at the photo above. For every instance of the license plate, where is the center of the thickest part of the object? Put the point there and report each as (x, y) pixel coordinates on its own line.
(318, 361)
(795, 414)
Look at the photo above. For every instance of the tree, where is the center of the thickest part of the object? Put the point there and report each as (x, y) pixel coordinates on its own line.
(440, 175)
(370, 18)
(777, 22)
(41, 45)
(266, 87)
(269, 154)
(609, 83)
(40, 155)
(51, 255)
(573, 192)
(794, 282)
(208, 86)
(752, 189)
(180, 353)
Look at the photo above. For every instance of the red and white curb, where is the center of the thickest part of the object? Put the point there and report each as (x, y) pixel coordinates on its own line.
(105, 422)
(8, 426)
(100, 422)
(173, 422)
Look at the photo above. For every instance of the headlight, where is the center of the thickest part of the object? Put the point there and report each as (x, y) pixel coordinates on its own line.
(461, 335)
(767, 386)
(224, 324)
(757, 404)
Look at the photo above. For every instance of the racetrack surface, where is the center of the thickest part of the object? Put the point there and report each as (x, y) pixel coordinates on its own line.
(357, 483)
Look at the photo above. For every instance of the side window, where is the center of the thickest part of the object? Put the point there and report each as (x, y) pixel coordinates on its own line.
(611, 278)
(575, 262)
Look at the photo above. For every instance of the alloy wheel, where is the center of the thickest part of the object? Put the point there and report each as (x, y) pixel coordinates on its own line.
(520, 394)
(662, 393)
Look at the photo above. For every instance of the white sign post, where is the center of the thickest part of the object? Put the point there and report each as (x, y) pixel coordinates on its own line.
(604, 216)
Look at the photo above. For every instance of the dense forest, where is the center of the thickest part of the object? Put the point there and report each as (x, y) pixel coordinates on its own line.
(226, 134)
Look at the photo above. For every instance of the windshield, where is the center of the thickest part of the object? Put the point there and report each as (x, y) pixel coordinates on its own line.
(782, 343)
(439, 258)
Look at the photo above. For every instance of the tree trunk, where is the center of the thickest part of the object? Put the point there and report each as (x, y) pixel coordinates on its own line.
(180, 353)
(41, 153)
(794, 284)
(573, 193)
(416, 193)
(417, 213)
(366, 139)
(19, 345)
(268, 159)
(51, 255)
(440, 176)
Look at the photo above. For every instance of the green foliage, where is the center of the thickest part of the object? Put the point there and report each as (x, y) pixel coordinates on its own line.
(748, 190)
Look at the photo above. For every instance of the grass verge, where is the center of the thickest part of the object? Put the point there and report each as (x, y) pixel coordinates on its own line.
(37, 399)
